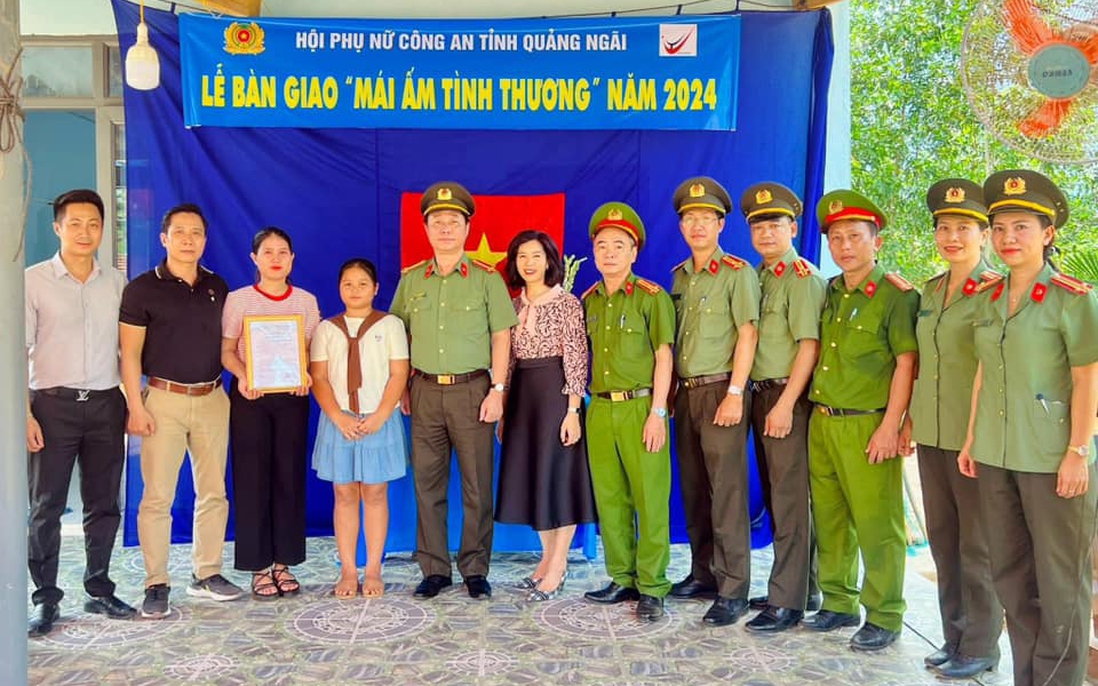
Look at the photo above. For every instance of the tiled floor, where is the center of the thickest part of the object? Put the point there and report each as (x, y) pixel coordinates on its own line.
(314, 638)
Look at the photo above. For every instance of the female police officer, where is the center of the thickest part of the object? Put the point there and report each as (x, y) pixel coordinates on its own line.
(1035, 398)
(971, 616)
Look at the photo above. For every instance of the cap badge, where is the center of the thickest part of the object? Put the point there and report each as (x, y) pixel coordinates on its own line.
(1015, 185)
(955, 195)
(444, 194)
(697, 190)
(835, 207)
(614, 215)
(763, 196)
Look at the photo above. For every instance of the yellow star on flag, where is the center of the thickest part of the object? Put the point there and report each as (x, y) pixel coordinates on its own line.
(485, 254)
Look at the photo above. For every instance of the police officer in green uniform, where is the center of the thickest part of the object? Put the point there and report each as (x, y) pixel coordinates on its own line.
(459, 315)
(631, 325)
(793, 294)
(1031, 442)
(716, 299)
(861, 387)
(972, 618)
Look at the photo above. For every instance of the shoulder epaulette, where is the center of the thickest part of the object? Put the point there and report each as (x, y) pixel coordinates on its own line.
(649, 287)
(734, 262)
(589, 291)
(898, 281)
(990, 275)
(484, 266)
(985, 285)
(802, 267)
(1071, 284)
(680, 265)
(414, 267)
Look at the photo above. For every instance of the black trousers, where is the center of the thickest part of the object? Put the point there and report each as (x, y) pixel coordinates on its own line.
(713, 476)
(92, 432)
(268, 438)
(783, 475)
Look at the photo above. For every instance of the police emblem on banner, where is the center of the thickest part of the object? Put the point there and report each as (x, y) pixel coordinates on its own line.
(244, 39)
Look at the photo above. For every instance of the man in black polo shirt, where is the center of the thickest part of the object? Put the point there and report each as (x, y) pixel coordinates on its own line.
(171, 332)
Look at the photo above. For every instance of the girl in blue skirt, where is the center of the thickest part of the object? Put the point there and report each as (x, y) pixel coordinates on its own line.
(360, 368)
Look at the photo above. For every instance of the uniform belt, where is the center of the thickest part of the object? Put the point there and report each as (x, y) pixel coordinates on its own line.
(620, 396)
(696, 381)
(193, 389)
(839, 412)
(451, 379)
(80, 395)
(767, 384)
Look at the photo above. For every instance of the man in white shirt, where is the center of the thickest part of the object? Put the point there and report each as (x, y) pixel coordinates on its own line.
(75, 409)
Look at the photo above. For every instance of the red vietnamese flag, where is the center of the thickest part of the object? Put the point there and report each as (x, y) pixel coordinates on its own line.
(498, 219)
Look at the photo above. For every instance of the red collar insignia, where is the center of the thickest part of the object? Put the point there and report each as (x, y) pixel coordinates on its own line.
(464, 270)
(779, 269)
(629, 288)
(970, 287)
(714, 266)
(998, 290)
(871, 288)
(1038, 294)
(430, 269)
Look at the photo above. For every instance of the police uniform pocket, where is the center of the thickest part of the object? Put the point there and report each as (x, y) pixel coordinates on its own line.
(774, 318)
(715, 320)
(1051, 423)
(421, 316)
(469, 317)
(633, 335)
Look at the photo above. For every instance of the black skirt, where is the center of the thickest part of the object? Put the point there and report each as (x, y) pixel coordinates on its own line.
(542, 483)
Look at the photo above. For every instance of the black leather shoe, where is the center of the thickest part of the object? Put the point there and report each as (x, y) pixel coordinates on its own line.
(966, 667)
(109, 605)
(649, 608)
(612, 594)
(941, 655)
(431, 586)
(873, 637)
(42, 619)
(478, 586)
(812, 604)
(725, 611)
(826, 620)
(690, 587)
(774, 619)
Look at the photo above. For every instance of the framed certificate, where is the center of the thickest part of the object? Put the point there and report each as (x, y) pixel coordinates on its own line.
(274, 350)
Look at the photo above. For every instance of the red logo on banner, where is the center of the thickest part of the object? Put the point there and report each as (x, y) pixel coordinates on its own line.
(498, 219)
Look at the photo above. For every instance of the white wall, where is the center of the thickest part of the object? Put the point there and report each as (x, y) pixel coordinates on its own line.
(66, 18)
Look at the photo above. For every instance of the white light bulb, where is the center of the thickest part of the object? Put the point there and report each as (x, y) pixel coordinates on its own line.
(142, 62)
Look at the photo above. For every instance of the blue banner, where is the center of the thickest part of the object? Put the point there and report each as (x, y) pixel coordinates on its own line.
(600, 73)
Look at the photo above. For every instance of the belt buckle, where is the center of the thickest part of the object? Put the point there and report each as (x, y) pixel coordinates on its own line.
(688, 383)
(618, 396)
(445, 379)
(824, 410)
(82, 395)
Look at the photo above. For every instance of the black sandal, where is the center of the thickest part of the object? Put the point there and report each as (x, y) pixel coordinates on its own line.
(285, 581)
(262, 583)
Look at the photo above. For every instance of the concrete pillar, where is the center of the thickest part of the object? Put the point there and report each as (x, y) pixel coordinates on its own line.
(13, 381)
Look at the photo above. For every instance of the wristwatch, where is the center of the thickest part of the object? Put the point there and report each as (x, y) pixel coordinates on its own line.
(499, 387)
(574, 410)
(1083, 450)
(735, 390)
(660, 412)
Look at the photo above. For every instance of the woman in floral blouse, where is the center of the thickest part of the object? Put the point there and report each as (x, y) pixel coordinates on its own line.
(544, 480)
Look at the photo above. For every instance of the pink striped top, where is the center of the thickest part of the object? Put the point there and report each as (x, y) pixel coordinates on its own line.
(250, 300)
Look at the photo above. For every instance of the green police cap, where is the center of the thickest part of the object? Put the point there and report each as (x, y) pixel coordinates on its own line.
(447, 195)
(702, 193)
(957, 196)
(618, 215)
(769, 199)
(846, 204)
(1023, 190)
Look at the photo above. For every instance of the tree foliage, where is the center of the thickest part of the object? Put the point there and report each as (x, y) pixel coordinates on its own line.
(911, 125)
